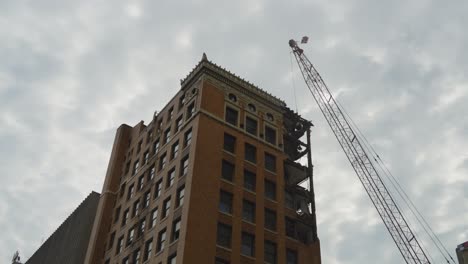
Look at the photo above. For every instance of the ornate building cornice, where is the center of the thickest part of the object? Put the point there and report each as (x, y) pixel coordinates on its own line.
(206, 66)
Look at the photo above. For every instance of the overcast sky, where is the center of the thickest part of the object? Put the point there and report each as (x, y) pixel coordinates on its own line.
(72, 71)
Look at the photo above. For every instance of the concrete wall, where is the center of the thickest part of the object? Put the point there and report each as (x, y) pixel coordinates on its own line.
(69, 242)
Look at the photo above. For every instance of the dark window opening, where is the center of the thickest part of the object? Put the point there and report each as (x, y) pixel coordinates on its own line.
(229, 143)
(251, 125)
(231, 116)
(227, 170)
(250, 153)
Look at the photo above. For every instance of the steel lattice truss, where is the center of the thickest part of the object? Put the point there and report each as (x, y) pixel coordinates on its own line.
(388, 210)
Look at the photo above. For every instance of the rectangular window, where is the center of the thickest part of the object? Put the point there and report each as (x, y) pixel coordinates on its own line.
(111, 240)
(250, 153)
(161, 240)
(270, 219)
(180, 196)
(184, 166)
(151, 174)
(221, 261)
(291, 256)
(176, 229)
(248, 244)
(167, 136)
(188, 137)
(170, 178)
(178, 124)
(270, 190)
(154, 217)
(127, 167)
(162, 161)
(156, 147)
(227, 170)
(270, 252)
(290, 227)
(231, 116)
(172, 259)
(131, 192)
(174, 150)
(141, 182)
(249, 180)
(190, 110)
(166, 207)
(120, 244)
(248, 211)
(125, 217)
(135, 167)
(170, 114)
(270, 135)
(158, 189)
(229, 143)
(117, 214)
(141, 227)
(251, 125)
(150, 136)
(131, 235)
(146, 157)
(181, 101)
(136, 208)
(270, 162)
(139, 146)
(223, 237)
(122, 190)
(160, 124)
(146, 199)
(148, 249)
(136, 256)
(225, 202)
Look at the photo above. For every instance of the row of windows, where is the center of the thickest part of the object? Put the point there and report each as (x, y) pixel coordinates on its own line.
(251, 107)
(138, 229)
(251, 125)
(173, 152)
(135, 256)
(248, 210)
(144, 203)
(250, 180)
(150, 175)
(167, 133)
(224, 238)
(250, 152)
(170, 113)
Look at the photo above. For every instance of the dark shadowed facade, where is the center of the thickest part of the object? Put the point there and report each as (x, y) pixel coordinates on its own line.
(68, 244)
(213, 178)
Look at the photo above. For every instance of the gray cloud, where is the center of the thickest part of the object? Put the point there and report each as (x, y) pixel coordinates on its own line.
(71, 73)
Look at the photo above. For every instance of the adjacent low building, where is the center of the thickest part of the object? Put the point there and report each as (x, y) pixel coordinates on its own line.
(68, 244)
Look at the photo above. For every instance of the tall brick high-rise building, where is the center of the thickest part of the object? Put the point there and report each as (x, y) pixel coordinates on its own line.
(213, 178)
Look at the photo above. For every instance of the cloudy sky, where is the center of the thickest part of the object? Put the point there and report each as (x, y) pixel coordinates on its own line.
(72, 71)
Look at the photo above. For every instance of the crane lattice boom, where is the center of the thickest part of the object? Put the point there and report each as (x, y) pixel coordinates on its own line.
(388, 210)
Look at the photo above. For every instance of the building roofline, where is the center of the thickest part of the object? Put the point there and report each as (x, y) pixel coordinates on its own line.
(229, 76)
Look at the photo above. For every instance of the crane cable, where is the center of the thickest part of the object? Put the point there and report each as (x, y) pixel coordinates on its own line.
(407, 200)
(417, 214)
(363, 139)
(293, 83)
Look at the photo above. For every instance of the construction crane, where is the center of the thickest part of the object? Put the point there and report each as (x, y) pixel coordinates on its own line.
(391, 215)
